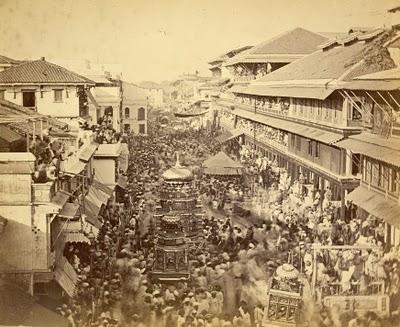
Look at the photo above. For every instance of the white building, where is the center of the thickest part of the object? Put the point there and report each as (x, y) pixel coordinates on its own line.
(135, 104)
(45, 88)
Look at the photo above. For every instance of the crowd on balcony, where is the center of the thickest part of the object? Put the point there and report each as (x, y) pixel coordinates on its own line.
(265, 104)
(49, 153)
(263, 133)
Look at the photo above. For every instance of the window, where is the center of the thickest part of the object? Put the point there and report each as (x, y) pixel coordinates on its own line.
(142, 129)
(298, 142)
(127, 128)
(127, 112)
(58, 94)
(141, 114)
(393, 180)
(292, 140)
(310, 151)
(2, 94)
(28, 99)
(316, 149)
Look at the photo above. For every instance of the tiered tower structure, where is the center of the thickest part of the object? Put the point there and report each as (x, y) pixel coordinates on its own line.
(178, 221)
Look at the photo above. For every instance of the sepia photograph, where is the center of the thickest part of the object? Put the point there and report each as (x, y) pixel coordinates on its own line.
(214, 163)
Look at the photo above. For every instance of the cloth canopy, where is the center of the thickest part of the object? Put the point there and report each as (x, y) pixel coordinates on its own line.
(191, 113)
(376, 204)
(222, 164)
(228, 135)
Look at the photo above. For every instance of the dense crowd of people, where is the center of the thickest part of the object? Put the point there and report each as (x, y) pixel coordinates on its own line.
(230, 272)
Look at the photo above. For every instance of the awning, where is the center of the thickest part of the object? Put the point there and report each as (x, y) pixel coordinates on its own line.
(191, 113)
(92, 211)
(87, 152)
(376, 204)
(228, 135)
(122, 181)
(384, 151)
(104, 188)
(97, 196)
(373, 85)
(65, 275)
(76, 237)
(74, 168)
(69, 210)
(60, 199)
(289, 91)
(321, 135)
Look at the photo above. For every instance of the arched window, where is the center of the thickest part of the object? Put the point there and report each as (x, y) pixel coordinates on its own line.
(141, 114)
(127, 112)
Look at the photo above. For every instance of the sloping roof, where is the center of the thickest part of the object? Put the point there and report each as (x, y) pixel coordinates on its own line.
(374, 146)
(222, 164)
(288, 46)
(296, 41)
(329, 64)
(16, 117)
(320, 93)
(105, 95)
(133, 93)
(7, 60)
(229, 54)
(41, 71)
(221, 159)
(87, 151)
(388, 74)
(376, 204)
(149, 85)
(9, 135)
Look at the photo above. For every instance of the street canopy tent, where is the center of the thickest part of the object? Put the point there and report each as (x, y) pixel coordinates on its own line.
(222, 164)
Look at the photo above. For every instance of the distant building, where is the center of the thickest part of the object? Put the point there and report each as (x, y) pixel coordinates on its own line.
(155, 93)
(45, 88)
(272, 54)
(135, 105)
(216, 64)
(6, 62)
(105, 103)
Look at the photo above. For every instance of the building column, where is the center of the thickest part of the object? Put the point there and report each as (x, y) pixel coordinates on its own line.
(348, 163)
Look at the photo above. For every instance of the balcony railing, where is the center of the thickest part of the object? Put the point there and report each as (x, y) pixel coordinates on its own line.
(245, 78)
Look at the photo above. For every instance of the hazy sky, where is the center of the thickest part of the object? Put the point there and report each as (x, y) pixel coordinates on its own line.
(156, 40)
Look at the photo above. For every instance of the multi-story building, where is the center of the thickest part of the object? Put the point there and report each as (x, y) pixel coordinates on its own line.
(135, 107)
(47, 202)
(216, 64)
(273, 54)
(155, 93)
(105, 103)
(296, 114)
(376, 151)
(45, 88)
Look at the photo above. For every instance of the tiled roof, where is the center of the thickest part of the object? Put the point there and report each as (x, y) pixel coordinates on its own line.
(6, 60)
(43, 72)
(8, 134)
(296, 41)
(329, 64)
(16, 118)
(133, 93)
